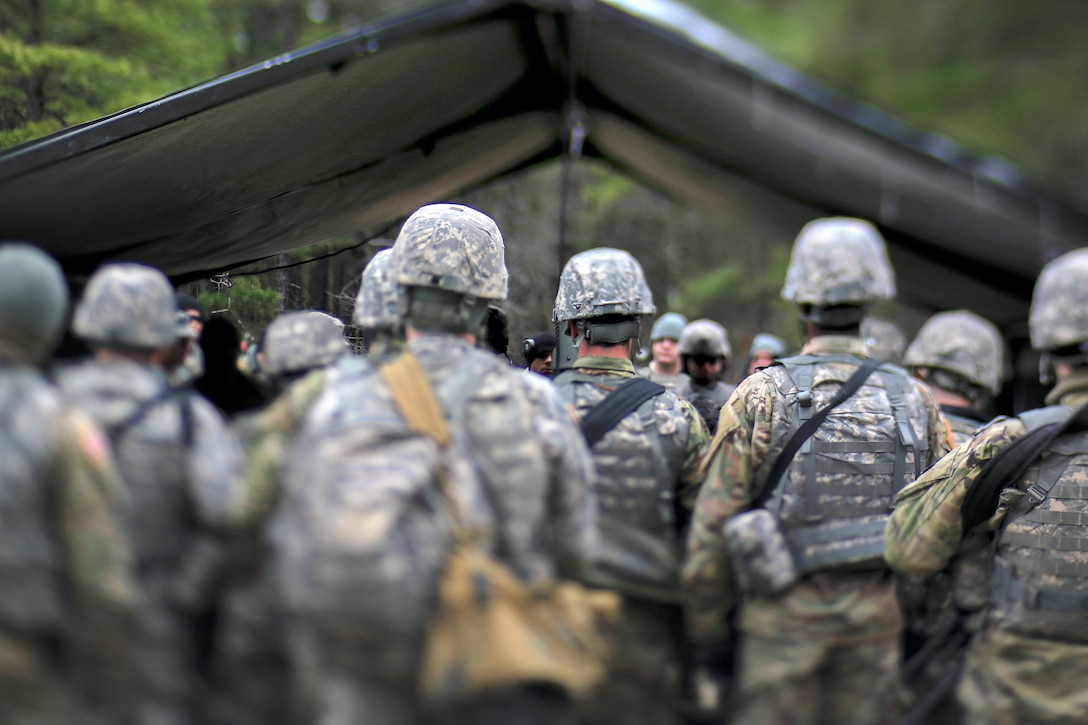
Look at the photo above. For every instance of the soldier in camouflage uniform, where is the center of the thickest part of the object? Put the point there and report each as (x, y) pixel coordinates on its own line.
(379, 307)
(664, 368)
(649, 467)
(816, 612)
(519, 474)
(1029, 663)
(67, 644)
(764, 350)
(180, 465)
(250, 673)
(704, 355)
(960, 356)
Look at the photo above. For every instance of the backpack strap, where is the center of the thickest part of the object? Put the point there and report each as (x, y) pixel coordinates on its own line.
(1008, 466)
(808, 427)
(620, 403)
(185, 410)
(415, 399)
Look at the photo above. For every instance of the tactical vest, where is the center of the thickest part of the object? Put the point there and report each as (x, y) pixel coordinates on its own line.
(834, 499)
(1040, 577)
(707, 400)
(637, 472)
(29, 560)
(151, 432)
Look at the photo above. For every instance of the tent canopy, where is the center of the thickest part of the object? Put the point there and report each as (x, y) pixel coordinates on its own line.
(359, 130)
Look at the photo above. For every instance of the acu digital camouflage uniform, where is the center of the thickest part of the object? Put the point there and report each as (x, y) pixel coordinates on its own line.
(526, 476)
(1029, 663)
(180, 466)
(705, 337)
(67, 644)
(826, 649)
(649, 469)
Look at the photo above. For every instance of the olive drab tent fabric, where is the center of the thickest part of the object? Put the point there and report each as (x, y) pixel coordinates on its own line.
(359, 130)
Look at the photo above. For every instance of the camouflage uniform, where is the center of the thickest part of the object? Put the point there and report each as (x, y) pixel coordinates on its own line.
(826, 648)
(669, 325)
(379, 306)
(357, 666)
(180, 465)
(67, 644)
(1031, 658)
(647, 482)
(705, 337)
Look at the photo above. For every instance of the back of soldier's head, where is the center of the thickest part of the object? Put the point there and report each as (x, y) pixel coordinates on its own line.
(450, 259)
(838, 267)
(1059, 310)
(33, 302)
(299, 341)
(603, 290)
(379, 304)
(958, 351)
(127, 306)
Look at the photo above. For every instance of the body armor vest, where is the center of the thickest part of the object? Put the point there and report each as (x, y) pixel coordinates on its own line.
(835, 496)
(1040, 577)
(707, 400)
(151, 433)
(637, 472)
(29, 561)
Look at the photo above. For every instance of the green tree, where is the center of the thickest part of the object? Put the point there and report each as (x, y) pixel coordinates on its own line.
(64, 62)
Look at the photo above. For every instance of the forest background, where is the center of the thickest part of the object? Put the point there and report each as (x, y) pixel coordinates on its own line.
(1001, 78)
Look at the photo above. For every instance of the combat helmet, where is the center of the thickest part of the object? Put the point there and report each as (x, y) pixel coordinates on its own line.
(705, 337)
(838, 266)
(299, 341)
(886, 342)
(378, 304)
(669, 326)
(603, 283)
(451, 260)
(1058, 320)
(33, 302)
(127, 305)
(963, 344)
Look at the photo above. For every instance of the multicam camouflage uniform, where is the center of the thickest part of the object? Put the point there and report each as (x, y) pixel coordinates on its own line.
(1031, 659)
(67, 644)
(180, 465)
(359, 657)
(826, 648)
(649, 468)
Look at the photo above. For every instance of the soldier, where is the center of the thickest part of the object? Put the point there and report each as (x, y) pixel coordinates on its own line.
(650, 459)
(179, 464)
(172, 358)
(764, 350)
(67, 645)
(793, 540)
(296, 343)
(517, 471)
(664, 367)
(704, 353)
(539, 350)
(193, 366)
(960, 356)
(1029, 663)
(884, 339)
(378, 307)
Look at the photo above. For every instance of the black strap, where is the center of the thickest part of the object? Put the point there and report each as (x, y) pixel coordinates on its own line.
(620, 403)
(1008, 466)
(809, 427)
(183, 398)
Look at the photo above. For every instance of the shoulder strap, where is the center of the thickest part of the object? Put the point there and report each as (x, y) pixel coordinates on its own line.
(620, 403)
(809, 427)
(185, 409)
(1009, 465)
(415, 399)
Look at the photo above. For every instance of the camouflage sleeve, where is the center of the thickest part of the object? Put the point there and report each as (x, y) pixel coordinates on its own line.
(924, 531)
(98, 560)
(738, 451)
(696, 458)
(572, 516)
(266, 438)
